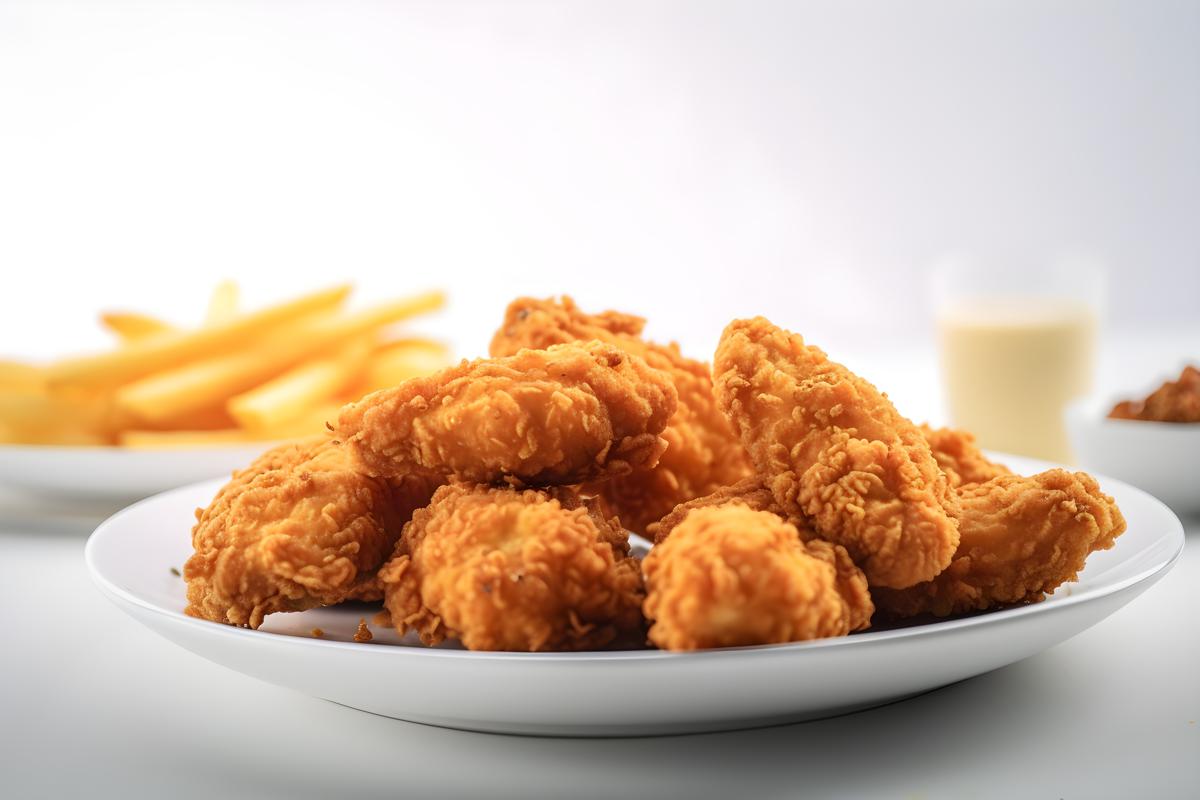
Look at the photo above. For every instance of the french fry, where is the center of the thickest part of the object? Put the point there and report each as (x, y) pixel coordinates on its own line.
(17, 376)
(176, 393)
(207, 383)
(63, 436)
(313, 422)
(223, 305)
(278, 374)
(131, 327)
(170, 440)
(401, 361)
(205, 419)
(41, 419)
(409, 343)
(36, 410)
(169, 350)
(288, 396)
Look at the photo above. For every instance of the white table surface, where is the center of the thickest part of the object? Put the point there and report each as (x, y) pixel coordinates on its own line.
(92, 703)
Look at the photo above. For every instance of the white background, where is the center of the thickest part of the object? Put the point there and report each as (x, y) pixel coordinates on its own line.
(687, 161)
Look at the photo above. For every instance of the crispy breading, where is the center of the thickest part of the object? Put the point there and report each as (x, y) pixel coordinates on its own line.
(1174, 401)
(504, 569)
(955, 451)
(959, 457)
(564, 415)
(703, 453)
(1021, 538)
(834, 450)
(750, 492)
(729, 576)
(301, 527)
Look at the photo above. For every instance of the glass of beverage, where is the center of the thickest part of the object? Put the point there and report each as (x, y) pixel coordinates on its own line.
(1016, 346)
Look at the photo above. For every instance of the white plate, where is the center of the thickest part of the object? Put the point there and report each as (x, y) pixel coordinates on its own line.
(114, 472)
(612, 694)
(1161, 457)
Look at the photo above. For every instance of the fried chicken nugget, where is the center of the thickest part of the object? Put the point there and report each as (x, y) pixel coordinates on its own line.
(832, 448)
(729, 576)
(504, 569)
(301, 527)
(750, 492)
(960, 458)
(703, 452)
(1174, 401)
(955, 451)
(563, 415)
(1021, 539)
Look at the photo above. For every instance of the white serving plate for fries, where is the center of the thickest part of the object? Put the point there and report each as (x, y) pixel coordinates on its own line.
(645, 692)
(115, 473)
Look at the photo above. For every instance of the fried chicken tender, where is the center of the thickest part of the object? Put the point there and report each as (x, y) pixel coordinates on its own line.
(1174, 401)
(301, 527)
(504, 569)
(563, 415)
(729, 576)
(833, 449)
(960, 458)
(955, 451)
(750, 492)
(703, 453)
(1021, 539)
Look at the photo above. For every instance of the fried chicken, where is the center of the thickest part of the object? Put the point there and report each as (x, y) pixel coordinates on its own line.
(955, 451)
(1021, 539)
(703, 453)
(504, 569)
(563, 415)
(750, 492)
(1174, 401)
(301, 527)
(959, 457)
(730, 576)
(834, 450)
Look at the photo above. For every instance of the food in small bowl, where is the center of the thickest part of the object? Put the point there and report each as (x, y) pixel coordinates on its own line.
(1174, 401)
(1152, 443)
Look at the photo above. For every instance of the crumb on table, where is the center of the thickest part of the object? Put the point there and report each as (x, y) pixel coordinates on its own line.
(363, 634)
(175, 571)
(317, 633)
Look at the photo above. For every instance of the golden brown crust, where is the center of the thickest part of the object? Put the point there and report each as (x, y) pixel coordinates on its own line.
(503, 569)
(559, 416)
(300, 528)
(833, 449)
(1021, 538)
(960, 458)
(731, 576)
(1174, 401)
(703, 453)
(850, 581)
(750, 492)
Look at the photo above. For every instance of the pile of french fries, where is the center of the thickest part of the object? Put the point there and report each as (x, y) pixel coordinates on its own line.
(272, 374)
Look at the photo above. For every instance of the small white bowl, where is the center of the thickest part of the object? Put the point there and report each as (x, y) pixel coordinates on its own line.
(1163, 458)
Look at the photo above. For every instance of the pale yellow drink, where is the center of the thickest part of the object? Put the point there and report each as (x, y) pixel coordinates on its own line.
(1011, 365)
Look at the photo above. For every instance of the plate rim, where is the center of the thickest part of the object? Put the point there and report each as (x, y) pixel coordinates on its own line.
(942, 627)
